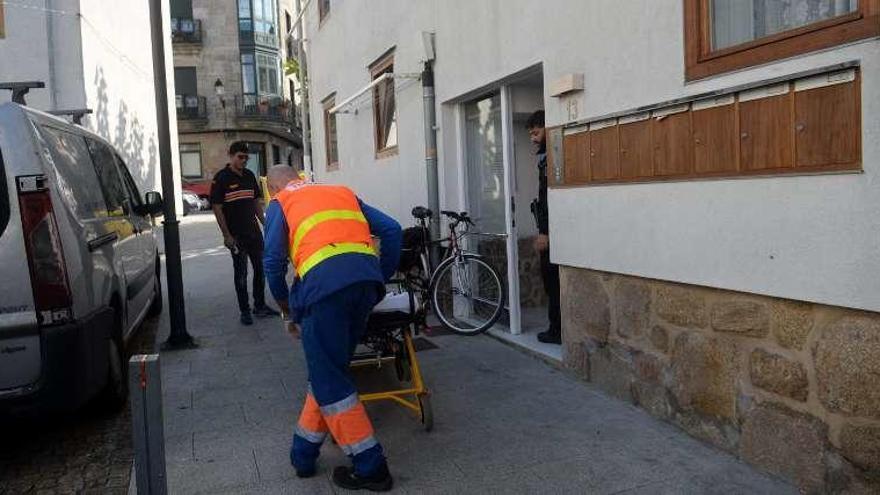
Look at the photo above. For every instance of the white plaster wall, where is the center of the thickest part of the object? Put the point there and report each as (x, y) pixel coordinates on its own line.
(811, 238)
(117, 62)
(351, 38)
(91, 56)
(38, 31)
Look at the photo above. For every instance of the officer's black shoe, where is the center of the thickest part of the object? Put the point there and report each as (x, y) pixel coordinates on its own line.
(550, 337)
(265, 312)
(247, 319)
(344, 477)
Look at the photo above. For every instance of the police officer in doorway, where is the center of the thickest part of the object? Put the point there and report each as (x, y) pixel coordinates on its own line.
(549, 271)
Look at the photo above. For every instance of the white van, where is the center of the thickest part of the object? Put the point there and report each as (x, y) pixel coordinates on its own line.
(79, 266)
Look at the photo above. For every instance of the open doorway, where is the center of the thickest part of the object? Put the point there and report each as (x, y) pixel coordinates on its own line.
(501, 181)
(527, 97)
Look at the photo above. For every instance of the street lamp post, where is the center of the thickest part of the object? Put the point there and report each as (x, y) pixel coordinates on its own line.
(178, 338)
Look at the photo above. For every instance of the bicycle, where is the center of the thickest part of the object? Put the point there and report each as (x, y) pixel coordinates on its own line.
(464, 291)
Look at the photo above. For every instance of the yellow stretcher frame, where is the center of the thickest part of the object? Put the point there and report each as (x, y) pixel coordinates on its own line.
(416, 398)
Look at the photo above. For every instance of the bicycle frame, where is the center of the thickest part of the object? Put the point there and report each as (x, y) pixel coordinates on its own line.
(453, 249)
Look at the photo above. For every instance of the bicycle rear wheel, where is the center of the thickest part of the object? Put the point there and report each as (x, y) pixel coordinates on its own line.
(467, 294)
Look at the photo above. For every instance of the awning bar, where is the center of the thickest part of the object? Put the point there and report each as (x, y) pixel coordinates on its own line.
(383, 77)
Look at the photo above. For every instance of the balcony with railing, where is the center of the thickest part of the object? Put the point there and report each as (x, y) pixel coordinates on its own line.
(272, 110)
(186, 31)
(192, 108)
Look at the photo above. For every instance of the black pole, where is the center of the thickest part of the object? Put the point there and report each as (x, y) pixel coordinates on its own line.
(178, 337)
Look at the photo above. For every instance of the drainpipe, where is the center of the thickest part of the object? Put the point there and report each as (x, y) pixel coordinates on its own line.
(303, 79)
(431, 151)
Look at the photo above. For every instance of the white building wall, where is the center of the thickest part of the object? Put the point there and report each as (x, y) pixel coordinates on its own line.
(117, 61)
(43, 43)
(813, 238)
(351, 38)
(92, 56)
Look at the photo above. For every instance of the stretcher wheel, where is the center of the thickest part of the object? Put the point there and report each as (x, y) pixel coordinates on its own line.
(427, 411)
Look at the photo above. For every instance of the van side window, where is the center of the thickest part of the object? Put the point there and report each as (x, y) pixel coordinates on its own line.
(74, 173)
(108, 174)
(131, 188)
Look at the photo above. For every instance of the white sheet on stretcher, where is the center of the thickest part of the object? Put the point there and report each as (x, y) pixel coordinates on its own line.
(393, 302)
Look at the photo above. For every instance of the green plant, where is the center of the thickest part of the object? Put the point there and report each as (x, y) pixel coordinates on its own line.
(291, 68)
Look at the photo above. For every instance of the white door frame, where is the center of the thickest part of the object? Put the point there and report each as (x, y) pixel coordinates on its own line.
(509, 163)
(509, 158)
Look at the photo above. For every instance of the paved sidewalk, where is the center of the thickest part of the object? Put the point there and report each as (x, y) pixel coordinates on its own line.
(505, 422)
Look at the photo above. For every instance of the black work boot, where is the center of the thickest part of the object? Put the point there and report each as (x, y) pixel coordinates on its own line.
(550, 337)
(246, 318)
(344, 477)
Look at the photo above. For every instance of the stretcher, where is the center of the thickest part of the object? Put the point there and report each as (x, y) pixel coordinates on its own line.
(389, 341)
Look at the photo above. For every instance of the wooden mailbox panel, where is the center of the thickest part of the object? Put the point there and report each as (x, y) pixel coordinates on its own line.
(673, 147)
(715, 142)
(577, 158)
(636, 154)
(827, 127)
(766, 132)
(604, 154)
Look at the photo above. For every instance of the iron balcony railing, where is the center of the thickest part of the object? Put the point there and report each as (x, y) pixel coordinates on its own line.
(272, 108)
(191, 107)
(186, 30)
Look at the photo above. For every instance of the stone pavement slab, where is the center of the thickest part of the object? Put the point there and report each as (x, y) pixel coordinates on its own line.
(504, 422)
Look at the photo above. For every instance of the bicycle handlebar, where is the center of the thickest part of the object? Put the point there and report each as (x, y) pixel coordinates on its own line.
(458, 217)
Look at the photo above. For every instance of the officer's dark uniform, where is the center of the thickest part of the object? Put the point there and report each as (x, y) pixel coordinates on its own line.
(549, 271)
(238, 195)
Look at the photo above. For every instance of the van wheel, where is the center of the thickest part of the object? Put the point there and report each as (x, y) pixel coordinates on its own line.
(115, 393)
(156, 305)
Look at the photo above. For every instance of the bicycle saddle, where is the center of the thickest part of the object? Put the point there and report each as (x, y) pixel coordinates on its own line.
(422, 213)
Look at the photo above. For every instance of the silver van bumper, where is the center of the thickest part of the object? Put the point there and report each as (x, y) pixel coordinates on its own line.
(74, 367)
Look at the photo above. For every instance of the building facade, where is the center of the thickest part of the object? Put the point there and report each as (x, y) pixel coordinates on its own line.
(714, 197)
(229, 70)
(88, 60)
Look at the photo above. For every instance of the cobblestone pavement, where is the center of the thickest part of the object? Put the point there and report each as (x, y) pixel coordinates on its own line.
(86, 452)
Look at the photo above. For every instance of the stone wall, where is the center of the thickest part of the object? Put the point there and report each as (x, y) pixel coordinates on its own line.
(531, 285)
(790, 387)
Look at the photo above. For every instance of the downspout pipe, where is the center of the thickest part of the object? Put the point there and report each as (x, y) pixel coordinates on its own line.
(431, 168)
(304, 82)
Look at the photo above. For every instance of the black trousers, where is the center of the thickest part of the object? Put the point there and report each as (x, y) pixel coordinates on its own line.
(249, 249)
(550, 274)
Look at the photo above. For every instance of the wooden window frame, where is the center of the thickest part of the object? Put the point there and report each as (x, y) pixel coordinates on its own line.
(328, 103)
(702, 62)
(323, 13)
(378, 68)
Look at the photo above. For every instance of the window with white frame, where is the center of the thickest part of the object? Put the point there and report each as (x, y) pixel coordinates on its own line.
(190, 159)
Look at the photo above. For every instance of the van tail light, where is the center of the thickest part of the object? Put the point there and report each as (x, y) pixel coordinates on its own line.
(52, 298)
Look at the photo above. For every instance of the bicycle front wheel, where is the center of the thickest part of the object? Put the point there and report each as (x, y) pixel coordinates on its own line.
(467, 294)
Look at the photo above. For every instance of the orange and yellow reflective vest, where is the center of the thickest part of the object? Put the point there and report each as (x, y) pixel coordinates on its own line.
(323, 221)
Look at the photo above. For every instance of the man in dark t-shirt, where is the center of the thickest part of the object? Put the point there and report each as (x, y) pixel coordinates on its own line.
(236, 199)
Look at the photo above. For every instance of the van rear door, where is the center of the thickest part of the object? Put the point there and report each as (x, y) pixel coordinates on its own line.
(20, 353)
